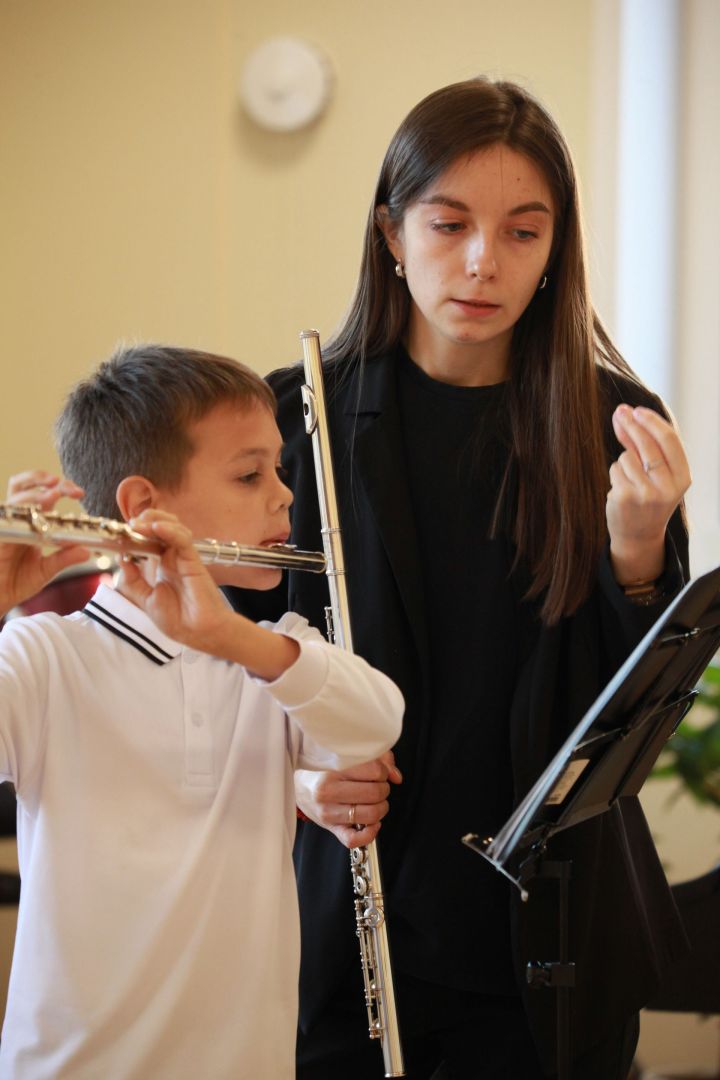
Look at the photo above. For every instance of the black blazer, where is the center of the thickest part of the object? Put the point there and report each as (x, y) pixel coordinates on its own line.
(624, 928)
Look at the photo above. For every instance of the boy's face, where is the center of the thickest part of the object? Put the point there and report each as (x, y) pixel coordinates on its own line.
(232, 487)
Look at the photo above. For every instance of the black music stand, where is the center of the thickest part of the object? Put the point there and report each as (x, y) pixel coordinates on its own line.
(609, 755)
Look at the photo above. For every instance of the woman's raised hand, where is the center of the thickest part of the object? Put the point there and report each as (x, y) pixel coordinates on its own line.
(647, 482)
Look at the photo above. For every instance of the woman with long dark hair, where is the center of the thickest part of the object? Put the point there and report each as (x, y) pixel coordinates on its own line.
(511, 501)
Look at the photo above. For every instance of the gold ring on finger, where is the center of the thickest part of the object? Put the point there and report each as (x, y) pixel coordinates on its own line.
(351, 814)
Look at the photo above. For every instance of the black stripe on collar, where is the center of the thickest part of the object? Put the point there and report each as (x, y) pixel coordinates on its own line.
(126, 632)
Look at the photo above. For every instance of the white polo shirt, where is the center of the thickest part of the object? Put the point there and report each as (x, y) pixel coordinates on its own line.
(158, 932)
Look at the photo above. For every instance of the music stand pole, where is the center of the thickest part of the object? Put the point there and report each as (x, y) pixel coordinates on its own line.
(557, 974)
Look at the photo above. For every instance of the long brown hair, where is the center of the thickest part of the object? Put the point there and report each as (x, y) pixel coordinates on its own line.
(558, 468)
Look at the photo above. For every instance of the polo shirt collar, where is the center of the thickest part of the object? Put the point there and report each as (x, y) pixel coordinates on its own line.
(128, 622)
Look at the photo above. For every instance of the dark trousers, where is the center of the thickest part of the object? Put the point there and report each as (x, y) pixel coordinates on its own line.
(448, 1035)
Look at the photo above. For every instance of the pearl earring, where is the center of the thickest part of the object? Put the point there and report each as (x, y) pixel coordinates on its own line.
(543, 282)
(399, 269)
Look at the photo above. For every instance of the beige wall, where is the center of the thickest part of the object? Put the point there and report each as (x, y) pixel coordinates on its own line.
(139, 203)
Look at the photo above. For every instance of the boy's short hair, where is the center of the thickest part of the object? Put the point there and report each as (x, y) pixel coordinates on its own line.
(131, 416)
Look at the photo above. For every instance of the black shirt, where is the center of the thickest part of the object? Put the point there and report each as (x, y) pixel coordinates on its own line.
(456, 457)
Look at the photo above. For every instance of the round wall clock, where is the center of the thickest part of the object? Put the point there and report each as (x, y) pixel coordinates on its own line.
(286, 84)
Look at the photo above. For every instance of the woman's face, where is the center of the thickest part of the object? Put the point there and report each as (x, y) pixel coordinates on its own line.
(475, 247)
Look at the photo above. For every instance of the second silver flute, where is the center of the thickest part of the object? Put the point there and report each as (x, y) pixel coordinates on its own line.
(364, 861)
(30, 525)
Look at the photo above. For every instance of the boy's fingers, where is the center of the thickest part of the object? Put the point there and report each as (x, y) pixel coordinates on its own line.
(177, 538)
(29, 479)
(134, 583)
(166, 528)
(145, 521)
(72, 490)
(37, 482)
(179, 534)
(157, 522)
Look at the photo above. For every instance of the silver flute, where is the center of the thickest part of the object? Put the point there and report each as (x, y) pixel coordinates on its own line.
(364, 861)
(25, 524)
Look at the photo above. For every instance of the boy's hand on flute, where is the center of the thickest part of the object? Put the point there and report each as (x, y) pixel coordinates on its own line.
(182, 599)
(24, 569)
(175, 590)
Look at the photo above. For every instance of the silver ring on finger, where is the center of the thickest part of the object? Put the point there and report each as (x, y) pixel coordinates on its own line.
(648, 466)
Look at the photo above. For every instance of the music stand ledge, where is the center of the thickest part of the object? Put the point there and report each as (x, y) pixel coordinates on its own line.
(608, 756)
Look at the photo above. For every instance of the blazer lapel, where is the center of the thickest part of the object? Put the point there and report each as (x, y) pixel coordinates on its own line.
(380, 465)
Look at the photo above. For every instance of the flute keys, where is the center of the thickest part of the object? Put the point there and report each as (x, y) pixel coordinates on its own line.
(374, 917)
